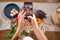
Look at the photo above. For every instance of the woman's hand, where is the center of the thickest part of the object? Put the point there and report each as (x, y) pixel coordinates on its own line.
(20, 24)
(21, 20)
(33, 21)
(39, 34)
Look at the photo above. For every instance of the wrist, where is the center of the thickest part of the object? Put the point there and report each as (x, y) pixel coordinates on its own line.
(35, 26)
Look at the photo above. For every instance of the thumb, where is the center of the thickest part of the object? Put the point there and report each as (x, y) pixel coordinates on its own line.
(30, 17)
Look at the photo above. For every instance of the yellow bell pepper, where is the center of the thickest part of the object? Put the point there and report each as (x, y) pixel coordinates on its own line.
(39, 21)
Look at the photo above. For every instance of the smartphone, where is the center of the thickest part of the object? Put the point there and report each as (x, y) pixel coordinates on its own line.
(28, 8)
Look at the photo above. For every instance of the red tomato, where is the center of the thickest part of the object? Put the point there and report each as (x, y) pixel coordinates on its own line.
(17, 19)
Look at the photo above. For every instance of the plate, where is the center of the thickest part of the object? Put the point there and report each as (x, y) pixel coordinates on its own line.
(8, 8)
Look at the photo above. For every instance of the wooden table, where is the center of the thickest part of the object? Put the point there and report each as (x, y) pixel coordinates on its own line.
(29, 0)
(51, 35)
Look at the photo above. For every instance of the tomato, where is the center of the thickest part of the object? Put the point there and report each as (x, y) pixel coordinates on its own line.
(17, 19)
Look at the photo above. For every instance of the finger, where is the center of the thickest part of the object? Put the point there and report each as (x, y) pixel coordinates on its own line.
(23, 14)
(30, 17)
(34, 16)
(20, 13)
(21, 17)
(23, 21)
(29, 24)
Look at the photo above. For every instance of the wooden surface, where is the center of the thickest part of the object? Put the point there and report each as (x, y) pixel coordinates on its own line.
(50, 35)
(29, 0)
(3, 33)
(53, 35)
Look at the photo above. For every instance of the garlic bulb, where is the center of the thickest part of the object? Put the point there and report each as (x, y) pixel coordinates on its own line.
(13, 12)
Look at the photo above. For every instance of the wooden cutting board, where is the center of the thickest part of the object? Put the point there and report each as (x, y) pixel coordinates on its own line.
(55, 19)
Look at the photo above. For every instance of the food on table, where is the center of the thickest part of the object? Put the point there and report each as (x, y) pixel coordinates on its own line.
(13, 21)
(16, 19)
(39, 21)
(12, 31)
(13, 12)
(40, 14)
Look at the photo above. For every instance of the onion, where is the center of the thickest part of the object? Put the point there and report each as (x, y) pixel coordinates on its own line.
(40, 14)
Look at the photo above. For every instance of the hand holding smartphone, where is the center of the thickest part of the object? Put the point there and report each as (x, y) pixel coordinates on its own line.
(28, 8)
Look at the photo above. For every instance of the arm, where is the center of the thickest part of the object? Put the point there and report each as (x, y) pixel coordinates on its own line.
(20, 24)
(39, 34)
(16, 33)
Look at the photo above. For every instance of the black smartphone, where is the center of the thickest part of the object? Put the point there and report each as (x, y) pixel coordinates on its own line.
(28, 8)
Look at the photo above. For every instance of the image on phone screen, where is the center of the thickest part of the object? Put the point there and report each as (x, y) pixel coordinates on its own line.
(28, 8)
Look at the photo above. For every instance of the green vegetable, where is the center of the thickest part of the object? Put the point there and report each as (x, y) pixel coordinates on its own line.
(12, 31)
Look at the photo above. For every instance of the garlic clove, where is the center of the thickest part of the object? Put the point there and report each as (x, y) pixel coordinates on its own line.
(11, 14)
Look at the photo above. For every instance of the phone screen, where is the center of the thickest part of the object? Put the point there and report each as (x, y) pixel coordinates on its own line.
(28, 7)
